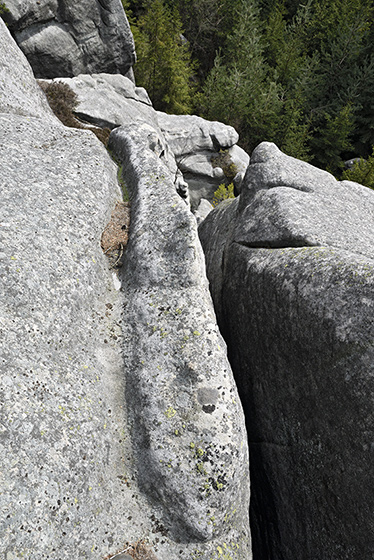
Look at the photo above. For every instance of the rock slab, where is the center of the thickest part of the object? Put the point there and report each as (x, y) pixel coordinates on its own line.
(67, 38)
(291, 265)
(187, 420)
(64, 451)
(69, 474)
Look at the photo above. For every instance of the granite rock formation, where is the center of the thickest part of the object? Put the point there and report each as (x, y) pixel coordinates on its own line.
(193, 143)
(78, 430)
(291, 267)
(185, 412)
(67, 38)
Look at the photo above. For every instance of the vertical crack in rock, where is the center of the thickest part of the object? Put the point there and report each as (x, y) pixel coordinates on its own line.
(290, 264)
(186, 417)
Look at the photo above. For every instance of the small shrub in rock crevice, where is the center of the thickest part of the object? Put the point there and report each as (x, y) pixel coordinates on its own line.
(224, 161)
(63, 100)
(222, 193)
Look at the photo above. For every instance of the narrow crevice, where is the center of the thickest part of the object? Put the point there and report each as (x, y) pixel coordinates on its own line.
(290, 243)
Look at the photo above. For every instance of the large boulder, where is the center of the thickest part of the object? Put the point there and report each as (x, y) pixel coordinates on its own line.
(291, 265)
(188, 427)
(71, 482)
(110, 100)
(205, 152)
(67, 38)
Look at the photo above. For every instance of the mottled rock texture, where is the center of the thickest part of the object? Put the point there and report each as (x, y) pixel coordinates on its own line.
(110, 100)
(186, 417)
(65, 458)
(67, 38)
(292, 273)
(69, 474)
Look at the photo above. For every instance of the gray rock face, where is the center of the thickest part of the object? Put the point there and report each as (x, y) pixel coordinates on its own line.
(195, 142)
(187, 134)
(203, 210)
(110, 100)
(67, 38)
(69, 483)
(190, 142)
(188, 427)
(19, 92)
(291, 264)
(64, 451)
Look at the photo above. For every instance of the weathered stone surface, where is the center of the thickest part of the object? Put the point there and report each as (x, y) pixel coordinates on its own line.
(186, 418)
(195, 142)
(287, 202)
(190, 142)
(241, 160)
(292, 270)
(67, 38)
(203, 210)
(110, 100)
(68, 473)
(188, 134)
(19, 93)
(64, 454)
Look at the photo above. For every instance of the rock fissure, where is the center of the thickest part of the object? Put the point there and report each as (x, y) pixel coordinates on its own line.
(299, 329)
(277, 244)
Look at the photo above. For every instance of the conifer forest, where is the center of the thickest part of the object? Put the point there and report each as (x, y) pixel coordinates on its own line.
(300, 74)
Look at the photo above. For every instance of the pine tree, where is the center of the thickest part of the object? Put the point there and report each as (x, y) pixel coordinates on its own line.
(164, 64)
(238, 90)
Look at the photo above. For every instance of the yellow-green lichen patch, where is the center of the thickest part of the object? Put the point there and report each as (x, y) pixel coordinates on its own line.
(170, 412)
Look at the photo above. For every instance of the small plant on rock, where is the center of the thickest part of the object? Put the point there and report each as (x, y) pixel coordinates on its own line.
(3, 10)
(222, 193)
(63, 100)
(362, 172)
(223, 160)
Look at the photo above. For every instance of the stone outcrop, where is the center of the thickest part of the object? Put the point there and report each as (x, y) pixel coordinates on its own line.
(194, 144)
(291, 266)
(110, 100)
(84, 423)
(185, 412)
(67, 38)
(65, 484)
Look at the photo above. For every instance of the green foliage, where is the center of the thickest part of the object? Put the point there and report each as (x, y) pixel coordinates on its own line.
(333, 140)
(362, 172)
(3, 9)
(126, 5)
(206, 24)
(239, 90)
(298, 74)
(164, 64)
(224, 161)
(222, 193)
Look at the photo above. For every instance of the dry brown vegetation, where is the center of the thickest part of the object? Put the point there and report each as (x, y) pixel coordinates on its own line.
(137, 551)
(115, 235)
(63, 100)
